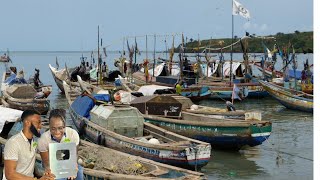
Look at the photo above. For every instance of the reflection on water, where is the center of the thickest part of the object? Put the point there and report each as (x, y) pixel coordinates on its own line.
(287, 154)
(224, 165)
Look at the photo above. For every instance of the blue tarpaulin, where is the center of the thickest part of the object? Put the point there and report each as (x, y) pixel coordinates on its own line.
(298, 74)
(102, 97)
(12, 79)
(82, 106)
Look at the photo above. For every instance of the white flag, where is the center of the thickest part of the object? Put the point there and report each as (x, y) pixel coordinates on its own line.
(269, 53)
(235, 92)
(238, 9)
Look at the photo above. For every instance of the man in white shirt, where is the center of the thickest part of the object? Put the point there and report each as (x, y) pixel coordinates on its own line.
(58, 133)
(20, 150)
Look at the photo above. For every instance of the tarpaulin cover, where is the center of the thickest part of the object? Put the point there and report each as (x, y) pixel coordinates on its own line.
(102, 97)
(8, 115)
(14, 80)
(82, 106)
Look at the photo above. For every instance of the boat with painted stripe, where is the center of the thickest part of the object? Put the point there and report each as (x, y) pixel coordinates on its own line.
(224, 134)
(173, 149)
(291, 99)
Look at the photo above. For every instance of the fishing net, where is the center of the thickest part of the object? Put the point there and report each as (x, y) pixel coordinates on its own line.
(98, 159)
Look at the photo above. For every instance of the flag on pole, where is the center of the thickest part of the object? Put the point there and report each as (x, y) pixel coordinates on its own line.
(238, 9)
(267, 51)
(57, 63)
(105, 51)
(137, 51)
(182, 45)
(235, 93)
(293, 59)
(67, 72)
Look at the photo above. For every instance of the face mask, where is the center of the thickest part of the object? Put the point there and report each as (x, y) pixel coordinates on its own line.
(34, 131)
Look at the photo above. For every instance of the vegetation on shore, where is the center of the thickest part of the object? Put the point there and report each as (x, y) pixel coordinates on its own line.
(301, 41)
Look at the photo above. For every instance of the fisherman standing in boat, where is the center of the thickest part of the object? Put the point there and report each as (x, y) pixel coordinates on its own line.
(58, 133)
(36, 78)
(146, 71)
(104, 70)
(196, 73)
(20, 150)
(178, 88)
(82, 70)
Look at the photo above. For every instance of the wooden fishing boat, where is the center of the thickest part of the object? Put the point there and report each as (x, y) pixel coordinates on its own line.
(192, 111)
(195, 93)
(307, 87)
(223, 90)
(304, 85)
(222, 134)
(59, 76)
(123, 129)
(4, 59)
(189, 113)
(218, 89)
(136, 167)
(22, 96)
(222, 129)
(268, 71)
(291, 99)
(62, 75)
(92, 88)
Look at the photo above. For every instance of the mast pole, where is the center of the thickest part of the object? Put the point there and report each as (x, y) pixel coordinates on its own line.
(181, 57)
(135, 50)
(100, 72)
(147, 47)
(98, 59)
(231, 58)
(154, 54)
(208, 57)
(165, 41)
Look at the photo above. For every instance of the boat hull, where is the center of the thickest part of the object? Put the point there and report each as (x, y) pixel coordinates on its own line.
(42, 106)
(220, 135)
(288, 99)
(59, 83)
(154, 170)
(226, 92)
(56, 79)
(181, 158)
(196, 93)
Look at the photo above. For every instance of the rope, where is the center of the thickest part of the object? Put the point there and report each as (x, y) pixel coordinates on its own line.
(219, 96)
(152, 35)
(283, 152)
(244, 37)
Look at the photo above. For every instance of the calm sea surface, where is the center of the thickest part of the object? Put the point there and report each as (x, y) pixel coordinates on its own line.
(288, 153)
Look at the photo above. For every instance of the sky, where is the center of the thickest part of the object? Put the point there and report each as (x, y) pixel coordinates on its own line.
(43, 25)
